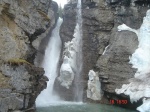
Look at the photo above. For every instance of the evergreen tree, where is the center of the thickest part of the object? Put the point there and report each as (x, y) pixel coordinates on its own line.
(60, 11)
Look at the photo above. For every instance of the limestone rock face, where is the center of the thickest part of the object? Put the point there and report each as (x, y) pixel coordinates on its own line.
(21, 22)
(105, 49)
(13, 41)
(97, 22)
(140, 61)
(114, 67)
(22, 85)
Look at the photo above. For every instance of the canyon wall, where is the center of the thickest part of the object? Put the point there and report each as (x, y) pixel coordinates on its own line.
(105, 50)
(23, 25)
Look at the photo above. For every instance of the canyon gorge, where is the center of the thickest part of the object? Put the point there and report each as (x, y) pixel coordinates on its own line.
(97, 52)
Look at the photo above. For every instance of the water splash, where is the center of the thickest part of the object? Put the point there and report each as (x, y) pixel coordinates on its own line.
(50, 65)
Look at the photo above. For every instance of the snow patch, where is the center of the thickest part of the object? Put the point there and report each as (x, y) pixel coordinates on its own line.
(145, 107)
(105, 49)
(139, 86)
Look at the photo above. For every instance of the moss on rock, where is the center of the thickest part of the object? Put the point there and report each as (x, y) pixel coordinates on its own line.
(18, 61)
(4, 81)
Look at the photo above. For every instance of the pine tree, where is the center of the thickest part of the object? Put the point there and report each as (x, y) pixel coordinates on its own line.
(60, 11)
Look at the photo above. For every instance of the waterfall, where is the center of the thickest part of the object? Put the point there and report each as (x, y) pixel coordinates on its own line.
(71, 67)
(50, 65)
(79, 62)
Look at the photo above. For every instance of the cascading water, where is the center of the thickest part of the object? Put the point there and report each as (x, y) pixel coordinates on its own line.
(50, 65)
(79, 62)
(72, 64)
(71, 69)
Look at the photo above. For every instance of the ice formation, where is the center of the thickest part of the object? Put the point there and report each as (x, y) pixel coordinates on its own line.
(67, 68)
(145, 107)
(94, 86)
(72, 61)
(105, 49)
(139, 87)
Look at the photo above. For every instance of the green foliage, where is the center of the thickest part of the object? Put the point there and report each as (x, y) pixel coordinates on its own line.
(4, 81)
(60, 11)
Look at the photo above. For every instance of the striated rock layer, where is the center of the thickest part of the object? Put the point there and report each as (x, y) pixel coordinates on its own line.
(21, 22)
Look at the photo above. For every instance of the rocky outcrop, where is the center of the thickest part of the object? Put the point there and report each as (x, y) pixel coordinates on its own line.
(20, 87)
(97, 24)
(96, 27)
(113, 66)
(21, 22)
(140, 61)
(105, 49)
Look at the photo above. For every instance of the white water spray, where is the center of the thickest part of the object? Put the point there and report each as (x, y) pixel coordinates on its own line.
(50, 65)
(79, 62)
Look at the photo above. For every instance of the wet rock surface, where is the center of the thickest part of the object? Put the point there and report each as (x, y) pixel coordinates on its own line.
(22, 22)
(113, 66)
(100, 21)
(97, 22)
(24, 82)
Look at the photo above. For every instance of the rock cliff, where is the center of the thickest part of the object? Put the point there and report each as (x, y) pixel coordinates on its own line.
(113, 65)
(97, 25)
(105, 49)
(22, 23)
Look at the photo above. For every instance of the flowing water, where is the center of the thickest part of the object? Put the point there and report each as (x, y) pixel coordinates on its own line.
(48, 101)
(50, 65)
(51, 59)
(78, 89)
(82, 108)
